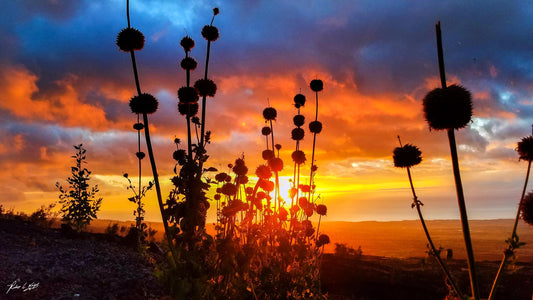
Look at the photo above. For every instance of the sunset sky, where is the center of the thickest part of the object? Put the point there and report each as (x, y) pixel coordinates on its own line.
(64, 82)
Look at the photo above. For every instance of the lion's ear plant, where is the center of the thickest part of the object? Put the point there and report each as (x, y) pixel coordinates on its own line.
(78, 200)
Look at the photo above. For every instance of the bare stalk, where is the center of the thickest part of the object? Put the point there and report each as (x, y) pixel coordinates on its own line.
(508, 253)
(458, 183)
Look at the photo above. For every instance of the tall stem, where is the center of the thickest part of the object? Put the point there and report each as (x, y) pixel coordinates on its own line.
(152, 160)
(508, 252)
(457, 176)
(464, 217)
(430, 241)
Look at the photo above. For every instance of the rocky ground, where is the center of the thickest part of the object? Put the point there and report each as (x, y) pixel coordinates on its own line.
(43, 263)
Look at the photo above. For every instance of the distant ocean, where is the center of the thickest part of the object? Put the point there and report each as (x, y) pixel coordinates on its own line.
(404, 239)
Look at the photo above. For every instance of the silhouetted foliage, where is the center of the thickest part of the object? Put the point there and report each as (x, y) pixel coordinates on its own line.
(78, 200)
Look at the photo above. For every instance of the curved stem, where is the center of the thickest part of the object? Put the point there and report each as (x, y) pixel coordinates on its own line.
(507, 253)
(430, 241)
(463, 214)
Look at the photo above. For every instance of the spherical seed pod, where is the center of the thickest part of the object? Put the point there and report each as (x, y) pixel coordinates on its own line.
(270, 113)
(188, 63)
(448, 108)
(323, 239)
(188, 110)
(206, 87)
(180, 156)
(525, 148)
(298, 120)
(315, 127)
(216, 11)
(229, 189)
(277, 146)
(526, 208)
(309, 231)
(187, 94)
(406, 156)
(316, 85)
(266, 130)
(297, 134)
(138, 126)
(268, 154)
(321, 209)
(140, 155)
(276, 164)
(263, 172)
(298, 157)
(130, 39)
(144, 104)
(210, 33)
(220, 177)
(187, 43)
(299, 100)
(240, 170)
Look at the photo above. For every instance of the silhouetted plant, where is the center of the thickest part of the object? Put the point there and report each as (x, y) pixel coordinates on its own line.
(139, 212)
(407, 156)
(450, 108)
(79, 202)
(43, 216)
(130, 40)
(525, 152)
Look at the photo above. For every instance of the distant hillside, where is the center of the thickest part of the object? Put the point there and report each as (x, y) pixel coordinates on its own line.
(404, 239)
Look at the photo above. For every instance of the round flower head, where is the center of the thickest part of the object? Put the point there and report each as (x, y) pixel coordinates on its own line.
(406, 156)
(525, 148)
(130, 39)
(240, 169)
(216, 11)
(241, 179)
(138, 126)
(321, 209)
(298, 120)
(278, 146)
(276, 164)
(187, 94)
(315, 127)
(220, 177)
(270, 113)
(188, 110)
(263, 172)
(448, 108)
(229, 189)
(140, 155)
(266, 185)
(188, 63)
(187, 43)
(526, 208)
(268, 154)
(180, 156)
(210, 33)
(266, 130)
(297, 134)
(206, 87)
(144, 104)
(316, 85)
(299, 100)
(298, 157)
(323, 239)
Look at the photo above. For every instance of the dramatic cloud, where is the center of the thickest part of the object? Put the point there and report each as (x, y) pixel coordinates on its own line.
(64, 82)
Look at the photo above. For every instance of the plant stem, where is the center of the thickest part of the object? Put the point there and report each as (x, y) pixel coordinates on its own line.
(464, 217)
(152, 161)
(457, 177)
(507, 253)
(430, 241)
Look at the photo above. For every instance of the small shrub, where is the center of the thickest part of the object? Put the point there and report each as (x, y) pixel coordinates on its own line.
(44, 216)
(79, 202)
(112, 229)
